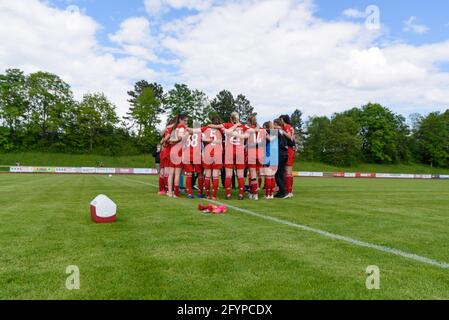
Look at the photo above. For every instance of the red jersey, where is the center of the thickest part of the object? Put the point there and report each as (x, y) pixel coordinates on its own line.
(289, 129)
(212, 137)
(241, 129)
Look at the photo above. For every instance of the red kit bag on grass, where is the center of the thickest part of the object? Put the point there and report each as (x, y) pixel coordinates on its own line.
(103, 210)
(210, 208)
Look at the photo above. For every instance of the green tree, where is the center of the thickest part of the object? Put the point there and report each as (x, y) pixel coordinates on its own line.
(144, 113)
(343, 144)
(432, 139)
(96, 118)
(13, 104)
(223, 104)
(244, 108)
(50, 105)
(182, 100)
(383, 134)
(316, 136)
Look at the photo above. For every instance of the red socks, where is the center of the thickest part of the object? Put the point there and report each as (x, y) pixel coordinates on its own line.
(189, 184)
(161, 184)
(254, 186)
(228, 183)
(241, 186)
(215, 184)
(201, 184)
(176, 190)
(289, 183)
(269, 186)
(207, 186)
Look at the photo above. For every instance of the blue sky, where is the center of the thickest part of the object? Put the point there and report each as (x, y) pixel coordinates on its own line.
(431, 13)
(316, 55)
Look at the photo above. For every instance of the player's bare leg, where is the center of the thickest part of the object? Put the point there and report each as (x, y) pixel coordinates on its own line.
(177, 179)
(171, 177)
(162, 182)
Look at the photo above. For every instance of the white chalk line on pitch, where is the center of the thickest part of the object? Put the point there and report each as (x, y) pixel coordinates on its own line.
(412, 256)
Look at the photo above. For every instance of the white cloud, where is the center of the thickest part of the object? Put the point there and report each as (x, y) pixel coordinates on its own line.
(282, 57)
(354, 13)
(154, 7)
(411, 26)
(276, 52)
(134, 37)
(35, 36)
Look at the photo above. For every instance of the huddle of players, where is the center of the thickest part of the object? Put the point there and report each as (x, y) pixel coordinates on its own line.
(232, 145)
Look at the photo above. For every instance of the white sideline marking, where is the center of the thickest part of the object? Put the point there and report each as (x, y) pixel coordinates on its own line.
(412, 256)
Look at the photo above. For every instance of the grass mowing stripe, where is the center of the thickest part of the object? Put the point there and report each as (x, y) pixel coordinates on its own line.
(412, 256)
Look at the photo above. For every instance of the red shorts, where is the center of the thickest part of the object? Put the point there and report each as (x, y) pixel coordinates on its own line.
(291, 157)
(256, 165)
(165, 161)
(237, 166)
(213, 166)
(191, 168)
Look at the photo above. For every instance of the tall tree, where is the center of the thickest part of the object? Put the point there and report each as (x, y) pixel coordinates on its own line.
(223, 104)
(343, 144)
(244, 108)
(382, 132)
(51, 103)
(317, 133)
(432, 139)
(182, 100)
(13, 102)
(144, 112)
(96, 116)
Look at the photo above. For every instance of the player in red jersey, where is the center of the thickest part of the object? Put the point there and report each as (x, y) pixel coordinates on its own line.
(255, 143)
(235, 156)
(213, 157)
(178, 134)
(192, 160)
(289, 133)
(167, 168)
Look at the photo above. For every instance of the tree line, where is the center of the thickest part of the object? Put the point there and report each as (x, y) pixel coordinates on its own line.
(38, 112)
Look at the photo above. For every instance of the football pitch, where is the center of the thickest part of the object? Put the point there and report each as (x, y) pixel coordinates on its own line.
(315, 246)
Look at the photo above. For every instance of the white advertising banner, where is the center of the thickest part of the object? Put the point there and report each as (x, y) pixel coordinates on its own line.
(21, 169)
(309, 174)
(350, 175)
(395, 176)
(423, 176)
(145, 171)
(88, 170)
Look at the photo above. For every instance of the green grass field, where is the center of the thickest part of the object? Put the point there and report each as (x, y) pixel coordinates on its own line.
(162, 248)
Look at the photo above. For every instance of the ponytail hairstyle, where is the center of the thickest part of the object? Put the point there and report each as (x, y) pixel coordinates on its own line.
(252, 121)
(267, 125)
(182, 117)
(235, 117)
(216, 120)
(173, 121)
(286, 119)
(279, 122)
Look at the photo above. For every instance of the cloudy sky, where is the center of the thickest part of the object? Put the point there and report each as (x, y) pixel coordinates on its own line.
(320, 56)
